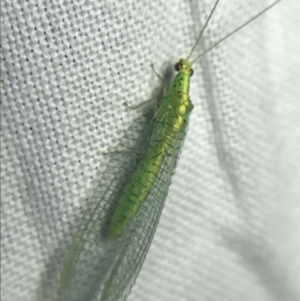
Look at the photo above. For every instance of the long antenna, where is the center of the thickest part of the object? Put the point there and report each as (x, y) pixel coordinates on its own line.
(234, 31)
(202, 30)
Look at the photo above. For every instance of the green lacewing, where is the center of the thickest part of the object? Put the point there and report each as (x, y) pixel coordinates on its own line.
(114, 237)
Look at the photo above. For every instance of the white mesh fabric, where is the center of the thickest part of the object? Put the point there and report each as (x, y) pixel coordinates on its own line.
(230, 226)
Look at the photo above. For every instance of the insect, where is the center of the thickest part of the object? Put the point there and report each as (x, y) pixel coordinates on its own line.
(114, 237)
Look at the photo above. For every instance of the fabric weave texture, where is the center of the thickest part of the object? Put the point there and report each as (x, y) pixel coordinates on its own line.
(230, 227)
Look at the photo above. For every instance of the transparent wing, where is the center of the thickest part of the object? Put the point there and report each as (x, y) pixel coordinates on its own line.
(91, 254)
(137, 238)
(100, 269)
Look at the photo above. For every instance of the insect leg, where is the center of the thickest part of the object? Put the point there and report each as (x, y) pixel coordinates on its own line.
(115, 152)
(166, 85)
(158, 75)
(146, 103)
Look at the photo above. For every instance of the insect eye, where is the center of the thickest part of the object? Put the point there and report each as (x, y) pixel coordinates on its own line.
(191, 72)
(178, 66)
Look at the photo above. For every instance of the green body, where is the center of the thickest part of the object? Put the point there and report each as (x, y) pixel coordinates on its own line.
(170, 118)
